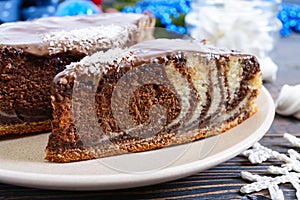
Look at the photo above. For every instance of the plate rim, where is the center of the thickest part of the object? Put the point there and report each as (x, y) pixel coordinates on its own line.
(131, 180)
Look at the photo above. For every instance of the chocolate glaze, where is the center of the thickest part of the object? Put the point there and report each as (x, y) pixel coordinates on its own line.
(162, 47)
(29, 35)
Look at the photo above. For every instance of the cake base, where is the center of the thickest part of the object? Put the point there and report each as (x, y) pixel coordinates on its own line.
(26, 127)
(80, 154)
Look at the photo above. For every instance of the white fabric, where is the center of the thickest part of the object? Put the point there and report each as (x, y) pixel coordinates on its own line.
(268, 69)
(288, 102)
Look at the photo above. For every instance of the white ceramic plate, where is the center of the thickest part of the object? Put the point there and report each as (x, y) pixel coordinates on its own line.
(22, 163)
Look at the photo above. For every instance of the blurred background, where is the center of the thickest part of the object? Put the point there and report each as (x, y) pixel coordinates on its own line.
(170, 13)
(258, 27)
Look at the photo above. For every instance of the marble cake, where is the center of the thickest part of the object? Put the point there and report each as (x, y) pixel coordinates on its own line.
(154, 94)
(33, 52)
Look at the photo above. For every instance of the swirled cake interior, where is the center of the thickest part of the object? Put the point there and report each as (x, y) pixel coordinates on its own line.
(155, 94)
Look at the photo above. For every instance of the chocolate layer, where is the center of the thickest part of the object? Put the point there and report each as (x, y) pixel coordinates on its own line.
(25, 84)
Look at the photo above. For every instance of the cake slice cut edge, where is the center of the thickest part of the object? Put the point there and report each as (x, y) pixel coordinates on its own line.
(155, 94)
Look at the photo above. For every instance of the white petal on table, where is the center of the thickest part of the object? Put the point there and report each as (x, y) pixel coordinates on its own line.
(288, 102)
(268, 69)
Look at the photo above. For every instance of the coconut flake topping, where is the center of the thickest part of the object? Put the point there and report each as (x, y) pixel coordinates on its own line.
(88, 40)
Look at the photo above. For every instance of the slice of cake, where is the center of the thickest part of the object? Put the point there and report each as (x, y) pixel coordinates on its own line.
(155, 94)
(33, 52)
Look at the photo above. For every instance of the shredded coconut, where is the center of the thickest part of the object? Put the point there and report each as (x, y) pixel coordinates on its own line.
(101, 62)
(88, 40)
(288, 172)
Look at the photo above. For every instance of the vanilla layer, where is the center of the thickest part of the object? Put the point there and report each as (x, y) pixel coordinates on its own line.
(182, 88)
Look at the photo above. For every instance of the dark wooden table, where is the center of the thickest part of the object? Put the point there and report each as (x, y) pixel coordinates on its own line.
(220, 182)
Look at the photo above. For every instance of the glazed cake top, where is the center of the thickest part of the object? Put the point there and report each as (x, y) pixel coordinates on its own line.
(152, 48)
(58, 34)
(101, 62)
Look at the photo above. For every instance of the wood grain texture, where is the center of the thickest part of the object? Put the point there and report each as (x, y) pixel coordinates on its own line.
(220, 182)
